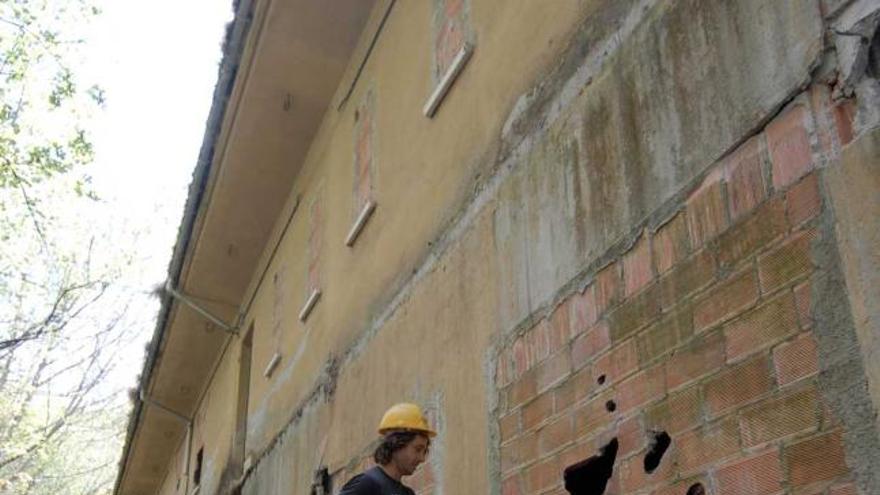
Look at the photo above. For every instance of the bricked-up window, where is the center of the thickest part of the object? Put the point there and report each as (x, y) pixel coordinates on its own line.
(452, 47)
(313, 249)
(364, 166)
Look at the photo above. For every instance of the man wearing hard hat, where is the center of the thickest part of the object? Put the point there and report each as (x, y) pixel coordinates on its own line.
(406, 438)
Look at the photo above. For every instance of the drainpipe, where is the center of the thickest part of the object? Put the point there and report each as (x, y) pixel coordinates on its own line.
(202, 311)
(189, 433)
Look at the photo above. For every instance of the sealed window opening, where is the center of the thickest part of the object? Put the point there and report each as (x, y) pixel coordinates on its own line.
(696, 489)
(590, 476)
(660, 441)
(197, 471)
(610, 406)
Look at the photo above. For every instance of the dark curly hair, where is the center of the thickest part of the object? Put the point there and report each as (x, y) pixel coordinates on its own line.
(392, 442)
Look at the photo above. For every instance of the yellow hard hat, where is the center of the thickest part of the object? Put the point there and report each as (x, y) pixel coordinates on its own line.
(405, 417)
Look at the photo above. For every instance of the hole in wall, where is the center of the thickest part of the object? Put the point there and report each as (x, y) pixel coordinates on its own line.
(660, 441)
(601, 380)
(696, 489)
(590, 476)
(610, 406)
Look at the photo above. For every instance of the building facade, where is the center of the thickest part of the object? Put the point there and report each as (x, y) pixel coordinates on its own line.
(637, 233)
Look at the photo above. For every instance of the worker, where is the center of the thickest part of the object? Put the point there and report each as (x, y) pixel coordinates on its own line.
(406, 439)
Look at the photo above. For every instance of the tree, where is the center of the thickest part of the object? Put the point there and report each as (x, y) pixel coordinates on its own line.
(63, 315)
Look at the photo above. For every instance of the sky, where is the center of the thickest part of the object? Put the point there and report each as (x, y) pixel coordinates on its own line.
(157, 61)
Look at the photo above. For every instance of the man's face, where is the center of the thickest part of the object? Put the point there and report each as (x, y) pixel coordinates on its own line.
(408, 458)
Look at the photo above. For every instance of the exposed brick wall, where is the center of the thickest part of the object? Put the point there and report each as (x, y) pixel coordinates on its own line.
(702, 329)
(364, 153)
(316, 230)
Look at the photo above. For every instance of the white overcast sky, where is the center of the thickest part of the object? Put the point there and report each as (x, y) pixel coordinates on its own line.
(157, 60)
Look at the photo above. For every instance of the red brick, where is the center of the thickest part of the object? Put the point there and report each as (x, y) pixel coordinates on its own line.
(538, 343)
(637, 271)
(537, 411)
(592, 416)
(780, 417)
(588, 345)
(789, 145)
(512, 485)
(642, 388)
(677, 412)
(634, 314)
(788, 262)
(606, 287)
(726, 300)
(706, 212)
(519, 352)
(739, 385)
(665, 335)
(553, 370)
(583, 311)
(687, 277)
(560, 326)
(796, 359)
(706, 445)
(631, 437)
(847, 489)
(762, 327)
(584, 383)
(503, 371)
(844, 115)
(684, 487)
(617, 363)
(758, 475)
(701, 357)
(509, 426)
(522, 390)
(820, 458)
(633, 477)
(746, 238)
(576, 453)
(519, 451)
(803, 201)
(745, 178)
(449, 36)
(542, 475)
(555, 434)
(670, 243)
(564, 395)
(802, 297)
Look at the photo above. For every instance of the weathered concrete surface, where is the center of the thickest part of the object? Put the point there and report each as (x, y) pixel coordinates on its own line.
(854, 188)
(692, 80)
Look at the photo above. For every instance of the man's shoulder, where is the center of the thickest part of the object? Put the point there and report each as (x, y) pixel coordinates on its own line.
(361, 484)
(373, 482)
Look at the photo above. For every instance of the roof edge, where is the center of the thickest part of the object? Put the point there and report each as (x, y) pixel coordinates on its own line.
(234, 42)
